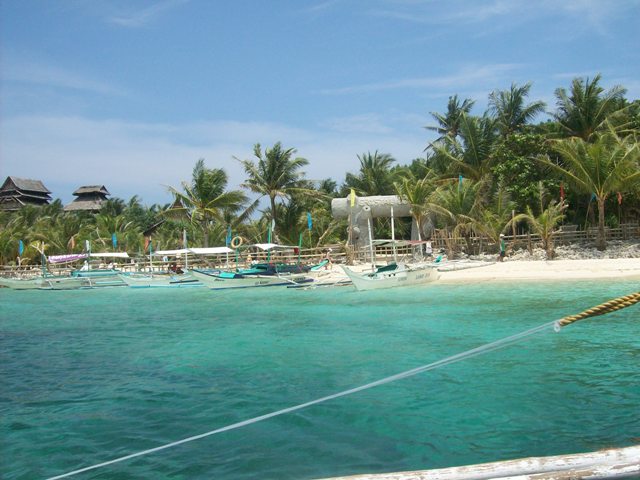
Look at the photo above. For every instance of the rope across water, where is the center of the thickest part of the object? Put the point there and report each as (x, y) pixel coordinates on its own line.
(606, 307)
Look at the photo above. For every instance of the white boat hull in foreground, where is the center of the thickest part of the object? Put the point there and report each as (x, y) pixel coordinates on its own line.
(387, 277)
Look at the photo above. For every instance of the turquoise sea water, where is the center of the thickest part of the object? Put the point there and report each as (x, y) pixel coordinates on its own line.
(87, 376)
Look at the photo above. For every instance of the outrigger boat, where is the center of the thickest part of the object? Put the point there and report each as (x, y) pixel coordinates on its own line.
(49, 282)
(223, 280)
(395, 274)
(392, 275)
(262, 274)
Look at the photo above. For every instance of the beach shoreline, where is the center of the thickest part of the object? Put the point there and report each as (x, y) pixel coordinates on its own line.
(554, 270)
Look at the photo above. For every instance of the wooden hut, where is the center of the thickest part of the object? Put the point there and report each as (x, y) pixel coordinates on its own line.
(16, 192)
(89, 199)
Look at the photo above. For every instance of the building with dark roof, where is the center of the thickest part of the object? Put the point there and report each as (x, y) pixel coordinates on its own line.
(16, 192)
(89, 199)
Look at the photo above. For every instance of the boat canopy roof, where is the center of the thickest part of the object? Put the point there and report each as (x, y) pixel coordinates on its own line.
(398, 243)
(211, 250)
(196, 251)
(66, 258)
(180, 251)
(110, 255)
(272, 246)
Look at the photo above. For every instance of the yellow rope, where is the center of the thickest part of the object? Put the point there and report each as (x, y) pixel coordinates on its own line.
(607, 307)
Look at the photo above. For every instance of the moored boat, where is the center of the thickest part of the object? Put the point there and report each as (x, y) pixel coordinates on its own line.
(223, 280)
(392, 275)
(160, 280)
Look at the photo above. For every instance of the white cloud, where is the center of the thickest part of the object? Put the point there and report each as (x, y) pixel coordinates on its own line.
(468, 76)
(596, 14)
(16, 68)
(141, 158)
(135, 17)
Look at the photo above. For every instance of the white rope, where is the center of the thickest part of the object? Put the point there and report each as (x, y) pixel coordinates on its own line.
(409, 373)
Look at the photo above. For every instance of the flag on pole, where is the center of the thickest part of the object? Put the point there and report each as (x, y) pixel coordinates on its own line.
(147, 242)
(593, 197)
(619, 198)
(184, 238)
(20, 247)
(114, 240)
(459, 182)
(561, 192)
(309, 221)
(87, 246)
(352, 197)
(227, 240)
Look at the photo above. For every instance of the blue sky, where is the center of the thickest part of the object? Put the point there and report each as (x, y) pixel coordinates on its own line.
(130, 94)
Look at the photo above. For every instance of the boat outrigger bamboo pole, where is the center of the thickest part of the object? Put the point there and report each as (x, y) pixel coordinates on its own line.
(373, 262)
(393, 238)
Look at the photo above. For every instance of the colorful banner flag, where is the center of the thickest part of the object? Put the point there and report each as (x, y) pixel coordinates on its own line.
(309, 221)
(352, 197)
(619, 198)
(593, 197)
(87, 246)
(561, 192)
(184, 238)
(114, 240)
(229, 237)
(459, 182)
(20, 248)
(147, 242)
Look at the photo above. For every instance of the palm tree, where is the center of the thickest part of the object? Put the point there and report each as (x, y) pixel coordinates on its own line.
(546, 223)
(586, 110)
(493, 218)
(375, 176)
(417, 193)
(509, 109)
(459, 203)
(606, 166)
(204, 200)
(448, 124)
(472, 155)
(275, 175)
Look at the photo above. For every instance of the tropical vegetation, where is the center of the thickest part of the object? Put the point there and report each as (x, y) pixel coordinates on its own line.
(519, 165)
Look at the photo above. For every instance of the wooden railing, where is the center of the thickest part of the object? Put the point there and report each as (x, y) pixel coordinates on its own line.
(567, 234)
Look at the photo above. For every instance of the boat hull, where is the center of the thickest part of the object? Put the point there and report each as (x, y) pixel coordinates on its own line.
(217, 282)
(160, 281)
(403, 277)
(21, 284)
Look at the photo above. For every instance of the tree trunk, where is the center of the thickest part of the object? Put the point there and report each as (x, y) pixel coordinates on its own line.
(601, 241)
(205, 231)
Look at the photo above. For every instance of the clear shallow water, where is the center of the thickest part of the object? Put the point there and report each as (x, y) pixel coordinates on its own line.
(87, 376)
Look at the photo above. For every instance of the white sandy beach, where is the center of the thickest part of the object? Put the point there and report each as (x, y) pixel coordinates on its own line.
(523, 270)
(613, 268)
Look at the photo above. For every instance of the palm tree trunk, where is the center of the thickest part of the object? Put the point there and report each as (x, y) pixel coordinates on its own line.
(273, 218)
(601, 242)
(205, 231)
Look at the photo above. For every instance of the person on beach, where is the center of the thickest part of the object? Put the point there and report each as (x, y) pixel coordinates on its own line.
(428, 249)
(327, 257)
(503, 248)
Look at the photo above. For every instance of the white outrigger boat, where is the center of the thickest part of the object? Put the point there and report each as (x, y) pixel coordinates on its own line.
(392, 275)
(51, 282)
(224, 280)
